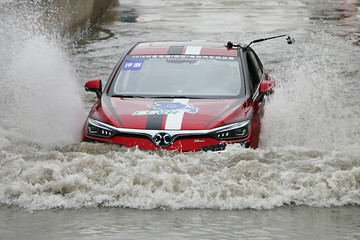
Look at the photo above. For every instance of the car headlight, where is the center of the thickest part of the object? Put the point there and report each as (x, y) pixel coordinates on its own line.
(233, 131)
(98, 129)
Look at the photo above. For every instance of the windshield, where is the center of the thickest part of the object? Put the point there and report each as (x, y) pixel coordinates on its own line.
(179, 76)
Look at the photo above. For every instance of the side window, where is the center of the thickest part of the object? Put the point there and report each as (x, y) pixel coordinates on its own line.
(255, 68)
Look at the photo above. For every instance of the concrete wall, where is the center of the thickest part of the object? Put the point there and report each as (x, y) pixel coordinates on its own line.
(71, 14)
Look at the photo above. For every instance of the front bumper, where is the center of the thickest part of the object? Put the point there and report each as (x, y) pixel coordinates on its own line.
(183, 145)
(188, 145)
(175, 140)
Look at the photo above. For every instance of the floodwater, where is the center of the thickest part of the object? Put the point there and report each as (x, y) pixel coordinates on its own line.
(302, 183)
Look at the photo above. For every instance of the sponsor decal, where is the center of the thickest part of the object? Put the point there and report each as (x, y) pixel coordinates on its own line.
(174, 106)
(133, 65)
(173, 113)
(168, 108)
(154, 112)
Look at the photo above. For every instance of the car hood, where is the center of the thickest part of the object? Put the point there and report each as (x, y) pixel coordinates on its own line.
(170, 114)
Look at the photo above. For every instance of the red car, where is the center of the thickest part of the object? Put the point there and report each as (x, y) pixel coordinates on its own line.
(183, 96)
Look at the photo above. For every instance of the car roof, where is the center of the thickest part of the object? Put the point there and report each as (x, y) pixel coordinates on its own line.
(202, 48)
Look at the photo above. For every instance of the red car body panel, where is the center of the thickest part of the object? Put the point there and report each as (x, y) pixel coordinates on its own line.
(211, 113)
(208, 115)
(184, 145)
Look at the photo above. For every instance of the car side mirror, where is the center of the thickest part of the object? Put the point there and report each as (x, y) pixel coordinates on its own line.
(94, 86)
(267, 87)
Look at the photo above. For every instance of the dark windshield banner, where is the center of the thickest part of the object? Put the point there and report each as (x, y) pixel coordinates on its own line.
(182, 57)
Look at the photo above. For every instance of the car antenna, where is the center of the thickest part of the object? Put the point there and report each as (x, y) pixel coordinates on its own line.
(288, 39)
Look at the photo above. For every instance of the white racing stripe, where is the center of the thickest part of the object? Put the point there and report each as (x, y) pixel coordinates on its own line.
(193, 50)
(174, 121)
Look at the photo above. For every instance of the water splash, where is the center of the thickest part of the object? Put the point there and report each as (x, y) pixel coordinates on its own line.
(313, 103)
(45, 98)
(237, 179)
(41, 100)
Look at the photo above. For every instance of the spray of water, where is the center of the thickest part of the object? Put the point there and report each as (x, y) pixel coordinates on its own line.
(313, 103)
(45, 98)
(40, 101)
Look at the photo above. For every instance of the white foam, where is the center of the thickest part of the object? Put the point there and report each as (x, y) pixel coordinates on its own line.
(237, 179)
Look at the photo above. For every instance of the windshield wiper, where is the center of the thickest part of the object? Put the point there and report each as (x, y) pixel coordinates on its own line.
(127, 96)
(154, 96)
(175, 96)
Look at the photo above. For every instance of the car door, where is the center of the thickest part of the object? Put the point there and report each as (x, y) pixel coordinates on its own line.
(257, 75)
